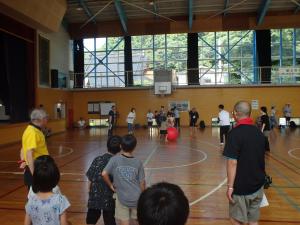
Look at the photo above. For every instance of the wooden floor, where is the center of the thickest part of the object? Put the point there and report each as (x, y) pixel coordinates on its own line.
(194, 163)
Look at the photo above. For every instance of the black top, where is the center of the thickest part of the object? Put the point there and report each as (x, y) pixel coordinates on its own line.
(113, 116)
(246, 144)
(194, 115)
(100, 195)
(265, 120)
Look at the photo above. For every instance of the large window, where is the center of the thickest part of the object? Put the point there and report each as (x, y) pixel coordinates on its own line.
(225, 57)
(104, 62)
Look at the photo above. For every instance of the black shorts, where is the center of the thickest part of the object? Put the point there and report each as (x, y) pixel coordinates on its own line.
(93, 215)
(150, 124)
(193, 123)
(27, 177)
(163, 132)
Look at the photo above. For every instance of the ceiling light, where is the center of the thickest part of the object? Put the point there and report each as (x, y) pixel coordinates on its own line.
(79, 8)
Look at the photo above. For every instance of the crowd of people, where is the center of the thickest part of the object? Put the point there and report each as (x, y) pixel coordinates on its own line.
(117, 187)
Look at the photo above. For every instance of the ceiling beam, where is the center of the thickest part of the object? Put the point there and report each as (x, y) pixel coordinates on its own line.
(122, 15)
(87, 10)
(263, 11)
(190, 14)
(226, 4)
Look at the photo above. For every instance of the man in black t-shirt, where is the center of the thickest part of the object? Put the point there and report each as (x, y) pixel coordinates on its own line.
(111, 120)
(245, 153)
(194, 116)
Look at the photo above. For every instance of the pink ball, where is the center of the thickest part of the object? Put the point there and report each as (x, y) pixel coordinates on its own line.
(172, 134)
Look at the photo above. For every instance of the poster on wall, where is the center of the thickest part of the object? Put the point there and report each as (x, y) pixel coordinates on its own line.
(255, 104)
(182, 106)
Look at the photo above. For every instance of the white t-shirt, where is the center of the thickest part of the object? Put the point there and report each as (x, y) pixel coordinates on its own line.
(131, 117)
(149, 117)
(224, 118)
(81, 123)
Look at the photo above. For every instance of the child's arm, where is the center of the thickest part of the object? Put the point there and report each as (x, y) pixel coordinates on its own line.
(63, 219)
(27, 220)
(143, 185)
(107, 180)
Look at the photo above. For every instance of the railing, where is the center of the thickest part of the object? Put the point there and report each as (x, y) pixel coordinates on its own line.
(207, 76)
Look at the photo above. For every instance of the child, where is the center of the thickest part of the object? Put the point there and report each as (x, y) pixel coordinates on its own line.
(149, 118)
(163, 128)
(130, 120)
(45, 207)
(100, 195)
(129, 180)
(163, 204)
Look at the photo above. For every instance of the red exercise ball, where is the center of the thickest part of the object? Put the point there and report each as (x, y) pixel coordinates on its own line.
(172, 134)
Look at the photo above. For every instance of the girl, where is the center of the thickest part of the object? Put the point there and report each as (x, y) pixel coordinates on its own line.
(130, 120)
(45, 207)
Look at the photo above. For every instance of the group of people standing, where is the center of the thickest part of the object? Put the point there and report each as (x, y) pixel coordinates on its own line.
(116, 185)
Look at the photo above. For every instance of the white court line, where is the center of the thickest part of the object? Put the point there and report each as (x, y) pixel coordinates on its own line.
(150, 156)
(291, 154)
(209, 193)
(71, 150)
(21, 173)
(180, 166)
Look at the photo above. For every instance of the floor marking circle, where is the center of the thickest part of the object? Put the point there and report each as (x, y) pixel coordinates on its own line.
(291, 153)
(61, 148)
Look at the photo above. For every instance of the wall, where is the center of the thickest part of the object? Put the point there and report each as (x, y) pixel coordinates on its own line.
(206, 100)
(13, 133)
(59, 49)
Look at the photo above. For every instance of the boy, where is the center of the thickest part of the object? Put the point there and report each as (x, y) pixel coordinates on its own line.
(129, 180)
(100, 195)
(163, 204)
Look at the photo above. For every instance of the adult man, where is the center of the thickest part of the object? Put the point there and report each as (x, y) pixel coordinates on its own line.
(33, 143)
(245, 153)
(224, 122)
(194, 116)
(287, 112)
(111, 120)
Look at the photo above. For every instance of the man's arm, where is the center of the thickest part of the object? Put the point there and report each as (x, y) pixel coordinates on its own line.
(107, 180)
(231, 172)
(29, 156)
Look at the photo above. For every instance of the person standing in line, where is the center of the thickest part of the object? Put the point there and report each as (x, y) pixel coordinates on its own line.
(265, 121)
(245, 154)
(273, 119)
(33, 143)
(150, 118)
(194, 116)
(130, 120)
(224, 122)
(111, 120)
(100, 195)
(287, 112)
(177, 117)
(128, 182)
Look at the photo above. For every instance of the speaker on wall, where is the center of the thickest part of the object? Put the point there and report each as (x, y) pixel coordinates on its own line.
(54, 78)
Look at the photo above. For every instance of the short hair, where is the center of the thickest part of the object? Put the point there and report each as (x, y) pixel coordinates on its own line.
(243, 107)
(264, 109)
(38, 114)
(163, 204)
(114, 144)
(132, 109)
(128, 143)
(221, 106)
(46, 174)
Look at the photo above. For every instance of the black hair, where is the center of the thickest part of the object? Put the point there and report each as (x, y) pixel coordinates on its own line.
(221, 106)
(128, 143)
(163, 204)
(46, 174)
(132, 109)
(264, 109)
(114, 144)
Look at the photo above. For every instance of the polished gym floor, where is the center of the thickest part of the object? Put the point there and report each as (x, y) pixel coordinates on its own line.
(194, 162)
